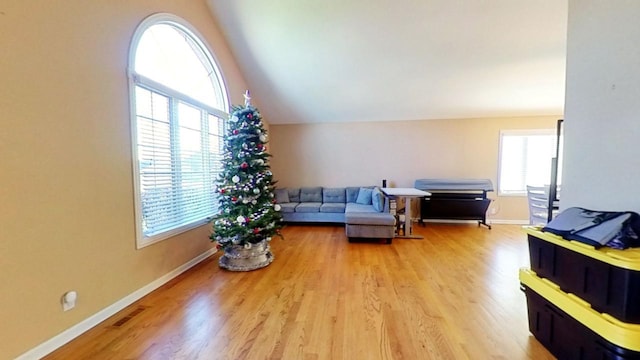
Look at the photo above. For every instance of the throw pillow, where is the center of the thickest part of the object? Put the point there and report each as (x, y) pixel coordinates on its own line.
(364, 196)
(352, 193)
(377, 199)
(282, 196)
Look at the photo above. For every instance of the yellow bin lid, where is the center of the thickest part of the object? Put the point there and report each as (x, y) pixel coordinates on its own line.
(613, 330)
(627, 259)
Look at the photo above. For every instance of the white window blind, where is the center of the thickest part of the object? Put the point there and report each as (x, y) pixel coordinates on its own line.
(178, 114)
(525, 159)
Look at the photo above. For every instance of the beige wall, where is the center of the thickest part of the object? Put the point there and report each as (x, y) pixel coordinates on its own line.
(66, 194)
(365, 153)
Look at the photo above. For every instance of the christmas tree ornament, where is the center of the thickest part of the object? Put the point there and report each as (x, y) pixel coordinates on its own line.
(247, 99)
(235, 179)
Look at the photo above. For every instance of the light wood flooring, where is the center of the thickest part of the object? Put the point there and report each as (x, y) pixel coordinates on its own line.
(453, 295)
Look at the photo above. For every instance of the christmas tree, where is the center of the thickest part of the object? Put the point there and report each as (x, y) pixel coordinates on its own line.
(248, 214)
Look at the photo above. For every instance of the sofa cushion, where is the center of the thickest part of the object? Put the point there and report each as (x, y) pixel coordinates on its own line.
(369, 219)
(308, 207)
(311, 194)
(333, 195)
(354, 207)
(282, 195)
(333, 207)
(364, 196)
(294, 194)
(377, 199)
(288, 207)
(352, 194)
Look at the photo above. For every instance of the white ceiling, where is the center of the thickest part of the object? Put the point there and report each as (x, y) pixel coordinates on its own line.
(381, 60)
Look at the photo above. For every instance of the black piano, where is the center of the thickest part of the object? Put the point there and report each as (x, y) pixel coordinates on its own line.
(455, 199)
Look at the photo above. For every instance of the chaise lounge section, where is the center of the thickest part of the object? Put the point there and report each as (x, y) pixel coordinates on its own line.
(363, 210)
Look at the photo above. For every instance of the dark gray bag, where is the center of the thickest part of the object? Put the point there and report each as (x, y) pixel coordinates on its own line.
(617, 229)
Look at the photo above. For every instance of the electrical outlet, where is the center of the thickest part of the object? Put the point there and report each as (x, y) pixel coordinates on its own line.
(69, 300)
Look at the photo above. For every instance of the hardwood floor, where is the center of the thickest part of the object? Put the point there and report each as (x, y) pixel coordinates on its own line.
(453, 295)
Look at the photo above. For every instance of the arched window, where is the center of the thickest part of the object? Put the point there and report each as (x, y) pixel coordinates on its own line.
(179, 107)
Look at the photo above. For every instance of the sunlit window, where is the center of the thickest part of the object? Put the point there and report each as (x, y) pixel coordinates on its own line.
(179, 103)
(525, 159)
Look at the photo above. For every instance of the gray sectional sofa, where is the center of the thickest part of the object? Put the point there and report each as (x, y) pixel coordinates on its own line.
(363, 210)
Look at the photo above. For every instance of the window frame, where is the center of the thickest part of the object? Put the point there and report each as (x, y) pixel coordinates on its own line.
(137, 80)
(518, 132)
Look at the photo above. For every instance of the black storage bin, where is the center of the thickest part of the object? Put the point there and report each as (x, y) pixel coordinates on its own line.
(608, 279)
(566, 336)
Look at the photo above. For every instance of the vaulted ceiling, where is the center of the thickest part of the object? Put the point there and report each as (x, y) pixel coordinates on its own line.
(381, 60)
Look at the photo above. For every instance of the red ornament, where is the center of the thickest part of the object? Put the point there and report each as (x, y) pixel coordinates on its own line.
(250, 115)
(260, 146)
(236, 131)
(234, 199)
(222, 191)
(244, 165)
(256, 231)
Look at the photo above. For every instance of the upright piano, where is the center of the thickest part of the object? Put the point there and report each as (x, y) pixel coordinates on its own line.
(455, 199)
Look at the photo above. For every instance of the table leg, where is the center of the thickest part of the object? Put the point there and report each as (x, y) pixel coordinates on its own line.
(407, 216)
(408, 225)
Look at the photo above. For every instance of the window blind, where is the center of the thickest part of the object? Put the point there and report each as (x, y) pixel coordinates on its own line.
(179, 147)
(525, 159)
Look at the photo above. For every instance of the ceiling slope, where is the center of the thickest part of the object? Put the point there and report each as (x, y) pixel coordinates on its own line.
(362, 60)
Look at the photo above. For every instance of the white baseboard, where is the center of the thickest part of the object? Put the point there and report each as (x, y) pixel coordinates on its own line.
(64, 337)
(489, 221)
(509, 222)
